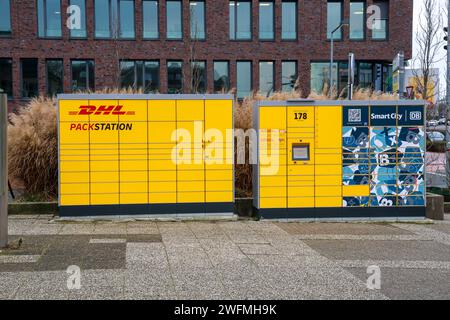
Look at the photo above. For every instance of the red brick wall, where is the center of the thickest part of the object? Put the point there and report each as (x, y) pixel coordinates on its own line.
(311, 43)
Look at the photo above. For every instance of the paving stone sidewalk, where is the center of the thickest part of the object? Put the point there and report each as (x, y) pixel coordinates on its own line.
(223, 260)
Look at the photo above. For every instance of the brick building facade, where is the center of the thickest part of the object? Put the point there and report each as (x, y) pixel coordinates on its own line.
(310, 45)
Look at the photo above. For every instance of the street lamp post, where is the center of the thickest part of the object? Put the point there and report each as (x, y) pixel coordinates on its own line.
(343, 23)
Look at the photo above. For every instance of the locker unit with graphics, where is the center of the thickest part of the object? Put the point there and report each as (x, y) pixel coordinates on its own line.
(332, 159)
(145, 154)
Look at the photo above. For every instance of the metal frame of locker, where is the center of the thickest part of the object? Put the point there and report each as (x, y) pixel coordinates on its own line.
(311, 213)
(163, 209)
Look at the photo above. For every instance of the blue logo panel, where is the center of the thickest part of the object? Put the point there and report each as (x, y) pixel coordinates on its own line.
(383, 116)
(411, 115)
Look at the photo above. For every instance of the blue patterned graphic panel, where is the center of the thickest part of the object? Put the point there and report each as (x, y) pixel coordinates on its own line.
(355, 201)
(383, 139)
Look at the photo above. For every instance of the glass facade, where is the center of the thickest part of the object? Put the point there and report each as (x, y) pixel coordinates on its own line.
(150, 19)
(266, 20)
(140, 75)
(174, 76)
(102, 18)
(197, 19)
(243, 79)
(49, 18)
(221, 76)
(5, 17)
(29, 78)
(198, 76)
(365, 75)
(174, 23)
(380, 26)
(82, 72)
(266, 77)
(334, 18)
(320, 76)
(80, 32)
(126, 19)
(114, 19)
(357, 20)
(54, 69)
(288, 75)
(6, 76)
(289, 20)
(240, 20)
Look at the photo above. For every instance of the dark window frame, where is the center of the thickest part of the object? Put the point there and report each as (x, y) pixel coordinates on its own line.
(135, 72)
(251, 76)
(46, 74)
(167, 73)
(181, 21)
(10, 94)
(341, 37)
(273, 74)
(235, 38)
(296, 70)
(21, 78)
(112, 32)
(45, 20)
(364, 26)
(6, 34)
(228, 76)
(119, 37)
(85, 26)
(204, 20)
(296, 20)
(273, 21)
(157, 20)
(88, 75)
(206, 74)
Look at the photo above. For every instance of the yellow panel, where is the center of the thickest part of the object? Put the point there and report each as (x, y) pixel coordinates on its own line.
(162, 186)
(133, 157)
(328, 202)
(162, 175)
(328, 180)
(133, 198)
(301, 183)
(219, 175)
(272, 202)
(103, 199)
(106, 116)
(161, 110)
(328, 151)
(74, 177)
(190, 197)
(74, 166)
(194, 175)
(325, 170)
(74, 157)
(104, 137)
(69, 135)
(328, 158)
(97, 188)
(162, 132)
(104, 157)
(135, 110)
(355, 191)
(304, 202)
(187, 186)
(105, 166)
(105, 150)
(69, 110)
(328, 191)
(306, 170)
(272, 181)
(272, 118)
(219, 115)
(138, 134)
(328, 127)
(300, 116)
(219, 185)
(74, 188)
(306, 191)
(131, 187)
(74, 150)
(74, 200)
(129, 165)
(228, 165)
(129, 176)
(190, 110)
(168, 197)
(219, 196)
(104, 176)
(272, 192)
(161, 165)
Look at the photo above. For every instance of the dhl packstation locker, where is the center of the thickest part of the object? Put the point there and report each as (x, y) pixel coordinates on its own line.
(145, 154)
(334, 159)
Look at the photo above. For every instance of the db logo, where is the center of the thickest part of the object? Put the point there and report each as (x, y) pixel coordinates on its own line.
(101, 110)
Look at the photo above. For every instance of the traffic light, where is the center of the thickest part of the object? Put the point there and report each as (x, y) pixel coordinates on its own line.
(446, 37)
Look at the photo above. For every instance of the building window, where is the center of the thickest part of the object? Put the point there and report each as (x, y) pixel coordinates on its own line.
(240, 20)
(6, 76)
(29, 78)
(289, 20)
(198, 76)
(365, 75)
(266, 20)
(114, 19)
(288, 75)
(174, 76)
(334, 19)
(79, 31)
(243, 78)
(174, 20)
(49, 18)
(380, 26)
(150, 19)
(197, 15)
(82, 75)
(266, 77)
(320, 76)
(221, 76)
(5, 17)
(54, 69)
(357, 18)
(140, 75)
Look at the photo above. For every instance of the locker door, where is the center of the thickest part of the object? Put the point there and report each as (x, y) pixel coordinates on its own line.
(73, 154)
(190, 156)
(162, 186)
(219, 150)
(272, 157)
(301, 156)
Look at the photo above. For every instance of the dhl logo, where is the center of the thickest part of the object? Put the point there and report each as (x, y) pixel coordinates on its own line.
(101, 110)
